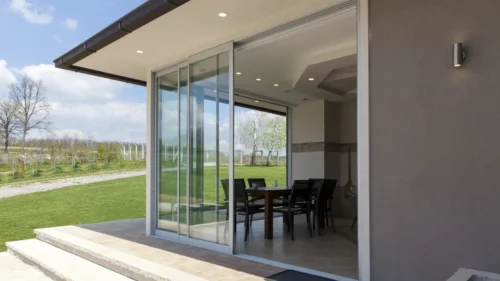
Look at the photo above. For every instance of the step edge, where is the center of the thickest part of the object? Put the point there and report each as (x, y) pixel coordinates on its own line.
(56, 238)
(35, 263)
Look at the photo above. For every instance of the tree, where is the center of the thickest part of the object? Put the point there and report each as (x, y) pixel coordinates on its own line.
(274, 137)
(249, 131)
(32, 109)
(9, 124)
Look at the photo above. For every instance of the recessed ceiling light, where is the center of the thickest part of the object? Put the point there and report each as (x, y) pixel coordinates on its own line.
(238, 73)
(222, 15)
(311, 79)
(256, 101)
(258, 79)
(276, 85)
(140, 51)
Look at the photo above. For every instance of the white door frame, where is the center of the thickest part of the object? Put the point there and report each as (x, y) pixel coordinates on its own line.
(363, 119)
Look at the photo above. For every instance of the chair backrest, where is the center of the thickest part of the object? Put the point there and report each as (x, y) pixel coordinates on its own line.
(242, 181)
(258, 181)
(225, 187)
(240, 193)
(316, 185)
(238, 184)
(301, 191)
(327, 189)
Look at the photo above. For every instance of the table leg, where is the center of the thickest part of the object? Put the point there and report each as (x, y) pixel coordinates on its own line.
(268, 220)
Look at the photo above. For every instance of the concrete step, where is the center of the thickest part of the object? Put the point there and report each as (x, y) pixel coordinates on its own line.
(13, 269)
(58, 264)
(124, 263)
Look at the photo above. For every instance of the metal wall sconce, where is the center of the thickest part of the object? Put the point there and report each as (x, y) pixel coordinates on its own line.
(458, 55)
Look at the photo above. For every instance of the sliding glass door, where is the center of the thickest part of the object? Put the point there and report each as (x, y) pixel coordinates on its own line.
(195, 139)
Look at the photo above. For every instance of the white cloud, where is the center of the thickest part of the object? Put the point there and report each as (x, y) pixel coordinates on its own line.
(68, 86)
(71, 23)
(84, 105)
(31, 12)
(6, 77)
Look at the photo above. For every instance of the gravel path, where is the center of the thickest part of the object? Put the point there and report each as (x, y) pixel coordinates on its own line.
(31, 187)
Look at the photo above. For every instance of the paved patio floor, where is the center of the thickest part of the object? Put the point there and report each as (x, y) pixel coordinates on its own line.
(128, 236)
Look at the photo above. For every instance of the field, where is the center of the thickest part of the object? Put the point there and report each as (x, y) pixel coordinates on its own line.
(104, 201)
(46, 172)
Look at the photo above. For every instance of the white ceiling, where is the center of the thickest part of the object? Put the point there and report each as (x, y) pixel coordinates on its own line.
(314, 50)
(192, 28)
(290, 60)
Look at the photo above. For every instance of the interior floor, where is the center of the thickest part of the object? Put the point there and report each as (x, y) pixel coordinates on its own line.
(330, 253)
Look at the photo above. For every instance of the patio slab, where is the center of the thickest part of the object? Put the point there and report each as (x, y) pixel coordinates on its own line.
(128, 237)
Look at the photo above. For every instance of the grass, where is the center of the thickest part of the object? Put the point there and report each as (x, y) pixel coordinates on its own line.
(45, 172)
(168, 180)
(97, 202)
(103, 201)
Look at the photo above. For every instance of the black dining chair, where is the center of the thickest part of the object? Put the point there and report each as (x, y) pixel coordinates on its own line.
(297, 203)
(244, 206)
(252, 200)
(323, 202)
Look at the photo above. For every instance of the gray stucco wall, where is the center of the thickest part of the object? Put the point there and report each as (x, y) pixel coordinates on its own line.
(435, 138)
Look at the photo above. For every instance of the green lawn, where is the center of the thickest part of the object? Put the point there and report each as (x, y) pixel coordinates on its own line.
(103, 201)
(97, 202)
(168, 180)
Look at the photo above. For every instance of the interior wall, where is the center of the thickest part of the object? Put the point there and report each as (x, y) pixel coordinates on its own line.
(308, 136)
(322, 132)
(348, 126)
(434, 139)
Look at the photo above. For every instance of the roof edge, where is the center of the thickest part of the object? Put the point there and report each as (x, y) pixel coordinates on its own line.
(104, 75)
(140, 16)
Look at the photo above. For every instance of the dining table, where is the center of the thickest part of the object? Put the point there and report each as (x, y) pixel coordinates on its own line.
(269, 194)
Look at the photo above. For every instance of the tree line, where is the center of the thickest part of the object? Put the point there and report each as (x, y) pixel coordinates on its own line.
(24, 110)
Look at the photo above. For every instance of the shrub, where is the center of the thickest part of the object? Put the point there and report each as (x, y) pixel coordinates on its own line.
(18, 175)
(58, 170)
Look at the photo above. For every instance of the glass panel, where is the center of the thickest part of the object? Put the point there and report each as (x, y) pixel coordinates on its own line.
(183, 196)
(209, 139)
(168, 133)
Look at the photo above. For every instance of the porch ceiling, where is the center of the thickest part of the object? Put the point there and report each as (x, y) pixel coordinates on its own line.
(191, 28)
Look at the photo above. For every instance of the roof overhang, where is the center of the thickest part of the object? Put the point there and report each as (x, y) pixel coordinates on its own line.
(172, 30)
(142, 15)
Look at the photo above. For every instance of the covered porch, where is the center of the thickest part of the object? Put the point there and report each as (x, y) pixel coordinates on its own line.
(200, 63)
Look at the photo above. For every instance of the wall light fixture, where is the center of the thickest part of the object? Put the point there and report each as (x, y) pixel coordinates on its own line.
(458, 55)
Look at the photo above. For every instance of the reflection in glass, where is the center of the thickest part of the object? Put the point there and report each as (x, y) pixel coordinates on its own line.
(168, 147)
(183, 141)
(209, 139)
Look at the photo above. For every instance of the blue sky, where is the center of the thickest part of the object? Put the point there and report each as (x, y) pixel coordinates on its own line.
(35, 32)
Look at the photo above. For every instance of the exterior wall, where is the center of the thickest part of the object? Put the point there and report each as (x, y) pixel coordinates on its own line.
(434, 139)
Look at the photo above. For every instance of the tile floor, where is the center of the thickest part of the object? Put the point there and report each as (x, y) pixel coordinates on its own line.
(330, 252)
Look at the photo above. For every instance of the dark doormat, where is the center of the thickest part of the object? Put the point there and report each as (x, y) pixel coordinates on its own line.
(292, 275)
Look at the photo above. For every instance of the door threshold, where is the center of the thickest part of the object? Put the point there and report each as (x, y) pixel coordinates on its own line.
(294, 267)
